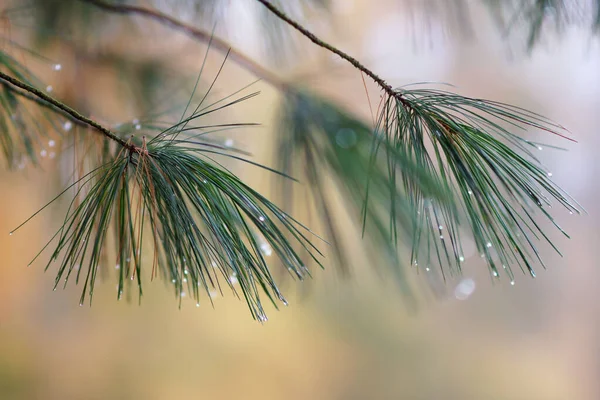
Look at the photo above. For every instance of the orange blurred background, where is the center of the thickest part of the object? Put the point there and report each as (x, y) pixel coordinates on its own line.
(339, 338)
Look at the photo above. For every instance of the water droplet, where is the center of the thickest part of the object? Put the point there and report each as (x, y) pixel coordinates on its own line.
(174, 281)
(512, 283)
(229, 143)
(440, 227)
(464, 289)
(571, 212)
(549, 173)
(214, 264)
(461, 259)
(441, 237)
(49, 89)
(184, 280)
(182, 294)
(43, 153)
(345, 138)
(57, 67)
(470, 192)
(128, 259)
(532, 272)
(67, 126)
(185, 272)
(503, 266)
(488, 245)
(482, 255)
(10, 233)
(204, 181)
(495, 273)
(138, 127)
(131, 277)
(540, 148)
(261, 218)
(51, 143)
(233, 280)
(213, 293)
(117, 266)
(266, 249)
(80, 304)
(197, 304)
(427, 269)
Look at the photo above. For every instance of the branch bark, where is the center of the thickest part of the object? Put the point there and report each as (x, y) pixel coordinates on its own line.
(194, 33)
(40, 97)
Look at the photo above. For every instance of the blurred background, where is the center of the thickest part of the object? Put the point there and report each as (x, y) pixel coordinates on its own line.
(351, 337)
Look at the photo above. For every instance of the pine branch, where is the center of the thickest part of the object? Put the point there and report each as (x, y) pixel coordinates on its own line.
(42, 103)
(357, 64)
(195, 33)
(38, 94)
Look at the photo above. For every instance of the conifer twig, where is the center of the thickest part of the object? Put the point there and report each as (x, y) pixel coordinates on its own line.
(313, 38)
(196, 33)
(36, 93)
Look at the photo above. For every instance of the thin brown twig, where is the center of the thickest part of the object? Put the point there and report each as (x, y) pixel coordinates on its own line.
(36, 93)
(195, 33)
(40, 102)
(313, 38)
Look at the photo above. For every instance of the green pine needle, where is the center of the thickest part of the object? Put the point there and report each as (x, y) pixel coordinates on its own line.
(497, 182)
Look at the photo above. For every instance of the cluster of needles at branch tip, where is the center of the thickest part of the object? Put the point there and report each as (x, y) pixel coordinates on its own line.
(441, 164)
(492, 177)
(202, 220)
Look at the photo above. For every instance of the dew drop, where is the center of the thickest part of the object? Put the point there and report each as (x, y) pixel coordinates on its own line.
(571, 212)
(182, 294)
(138, 127)
(266, 249)
(532, 272)
(10, 233)
(261, 218)
(540, 148)
(185, 272)
(67, 126)
(488, 245)
(57, 67)
(512, 283)
(43, 153)
(51, 143)
(229, 143)
(470, 192)
(495, 273)
(184, 280)
(117, 266)
(197, 304)
(464, 289)
(49, 89)
(233, 280)
(461, 259)
(174, 281)
(442, 237)
(204, 181)
(80, 304)
(128, 259)
(549, 173)
(440, 227)
(345, 138)
(427, 269)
